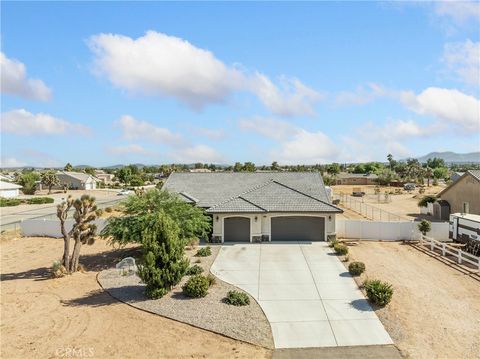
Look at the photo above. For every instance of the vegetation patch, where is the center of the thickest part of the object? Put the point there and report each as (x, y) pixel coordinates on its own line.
(356, 268)
(340, 249)
(195, 269)
(39, 200)
(9, 202)
(196, 287)
(204, 252)
(378, 292)
(234, 297)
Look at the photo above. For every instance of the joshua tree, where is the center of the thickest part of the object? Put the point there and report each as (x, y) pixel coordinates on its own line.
(82, 232)
(50, 179)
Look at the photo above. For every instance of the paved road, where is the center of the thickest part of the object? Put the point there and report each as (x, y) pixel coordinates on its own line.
(307, 295)
(11, 215)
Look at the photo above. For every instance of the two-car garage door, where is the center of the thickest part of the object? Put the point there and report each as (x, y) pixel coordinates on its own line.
(283, 228)
(298, 228)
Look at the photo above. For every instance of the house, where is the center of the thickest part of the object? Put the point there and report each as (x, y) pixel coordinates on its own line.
(200, 170)
(9, 190)
(255, 207)
(462, 196)
(102, 176)
(356, 178)
(76, 180)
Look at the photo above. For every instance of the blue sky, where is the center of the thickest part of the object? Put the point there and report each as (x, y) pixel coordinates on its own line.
(107, 83)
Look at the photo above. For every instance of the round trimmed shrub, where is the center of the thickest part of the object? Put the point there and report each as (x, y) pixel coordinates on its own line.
(195, 269)
(340, 249)
(234, 297)
(109, 210)
(378, 292)
(196, 286)
(204, 252)
(356, 268)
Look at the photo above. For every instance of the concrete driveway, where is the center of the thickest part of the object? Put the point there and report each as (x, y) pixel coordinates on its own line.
(307, 295)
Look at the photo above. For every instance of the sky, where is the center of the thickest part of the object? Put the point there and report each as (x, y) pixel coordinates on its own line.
(105, 83)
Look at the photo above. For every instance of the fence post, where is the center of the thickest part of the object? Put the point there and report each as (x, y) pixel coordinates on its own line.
(431, 244)
(460, 256)
(443, 249)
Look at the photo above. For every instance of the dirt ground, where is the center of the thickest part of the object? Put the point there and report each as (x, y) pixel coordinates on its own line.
(403, 205)
(72, 317)
(435, 309)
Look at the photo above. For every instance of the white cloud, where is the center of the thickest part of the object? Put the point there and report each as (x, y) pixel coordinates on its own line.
(449, 105)
(268, 127)
(160, 65)
(129, 149)
(293, 99)
(308, 148)
(14, 81)
(134, 129)
(463, 58)
(210, 133)
(460, 12)
(22, 122)
(11, 162)
(198, 153)
(361, 95)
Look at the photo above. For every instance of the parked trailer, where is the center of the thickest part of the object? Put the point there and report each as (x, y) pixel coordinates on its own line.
(465, 228)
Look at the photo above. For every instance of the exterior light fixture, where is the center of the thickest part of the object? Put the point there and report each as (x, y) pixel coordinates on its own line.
(256, 218)
(329, 218)
(216, 218)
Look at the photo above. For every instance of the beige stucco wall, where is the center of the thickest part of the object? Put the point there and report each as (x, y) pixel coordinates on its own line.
(260, 223)
(466, 189)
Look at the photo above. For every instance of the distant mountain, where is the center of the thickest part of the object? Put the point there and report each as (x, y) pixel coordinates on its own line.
(452, 157)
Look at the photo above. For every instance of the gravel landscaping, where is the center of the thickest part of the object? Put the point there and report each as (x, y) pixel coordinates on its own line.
(246, 323)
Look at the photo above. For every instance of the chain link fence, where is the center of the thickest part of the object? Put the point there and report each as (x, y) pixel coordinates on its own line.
(366, 210)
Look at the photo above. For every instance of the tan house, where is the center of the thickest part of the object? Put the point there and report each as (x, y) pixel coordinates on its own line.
(102, 176)
(356, 179)
(463, 195)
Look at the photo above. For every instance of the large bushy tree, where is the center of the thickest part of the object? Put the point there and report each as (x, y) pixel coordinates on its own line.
(164, 263)
(28, 181)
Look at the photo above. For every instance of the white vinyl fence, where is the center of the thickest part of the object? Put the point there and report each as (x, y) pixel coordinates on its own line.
(387, 231)
(50, 227)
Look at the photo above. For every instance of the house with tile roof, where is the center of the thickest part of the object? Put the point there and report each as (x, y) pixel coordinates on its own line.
(76, 180)
(462, 196)
(265, 206)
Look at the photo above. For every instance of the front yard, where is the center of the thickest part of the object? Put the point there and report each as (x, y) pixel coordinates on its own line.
(435, 310)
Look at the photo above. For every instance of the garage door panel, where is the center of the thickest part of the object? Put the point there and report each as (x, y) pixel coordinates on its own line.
(236, 229)
(298, 228)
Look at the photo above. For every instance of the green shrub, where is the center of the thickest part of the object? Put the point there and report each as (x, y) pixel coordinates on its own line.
(426, 200)
(356, 268)
(340, 249)
(195, 269)
(155, 293)
(39, 200)
(196, 286)
(424, 227)
(234, 297)
(109, 210)
(378, 292)
(211, 279)
(332, 243)
(204, 252)
(9, 202)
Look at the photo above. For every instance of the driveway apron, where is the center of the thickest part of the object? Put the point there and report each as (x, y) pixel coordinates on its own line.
(307, 295)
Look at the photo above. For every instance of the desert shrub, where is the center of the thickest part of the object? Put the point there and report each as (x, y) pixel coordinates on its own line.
(378, 292)
(196, 286)
(234, 297)
(109, 209)
(9, 202)
(426, 200)
(211, 279)
(424, 227)
(332, 243)
(340, 249)
(39, 200)
(58, 270)
(356, 268)
(204, 252)
(195, 269)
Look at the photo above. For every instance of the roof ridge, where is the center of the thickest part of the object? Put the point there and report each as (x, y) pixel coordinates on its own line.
(243, 193)
(305, 194)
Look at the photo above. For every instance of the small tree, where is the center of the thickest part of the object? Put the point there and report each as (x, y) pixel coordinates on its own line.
(164, 262)
(28, 181)
(424, 227)
(68, 167)
(50, 179)
(83, 230)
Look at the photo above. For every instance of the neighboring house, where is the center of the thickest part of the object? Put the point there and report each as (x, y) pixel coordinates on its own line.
(254, 207)
(106, 178)
(356, 178)
(76, 180)
(6, 177)
(456, 175)
(462, 196)
(9, 190)
(200, 170)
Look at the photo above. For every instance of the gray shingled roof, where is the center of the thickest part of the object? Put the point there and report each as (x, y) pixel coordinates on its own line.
(475, 173)
(254, 192)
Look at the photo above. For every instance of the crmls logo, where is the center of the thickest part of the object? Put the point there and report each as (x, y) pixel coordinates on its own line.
(69, 352)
